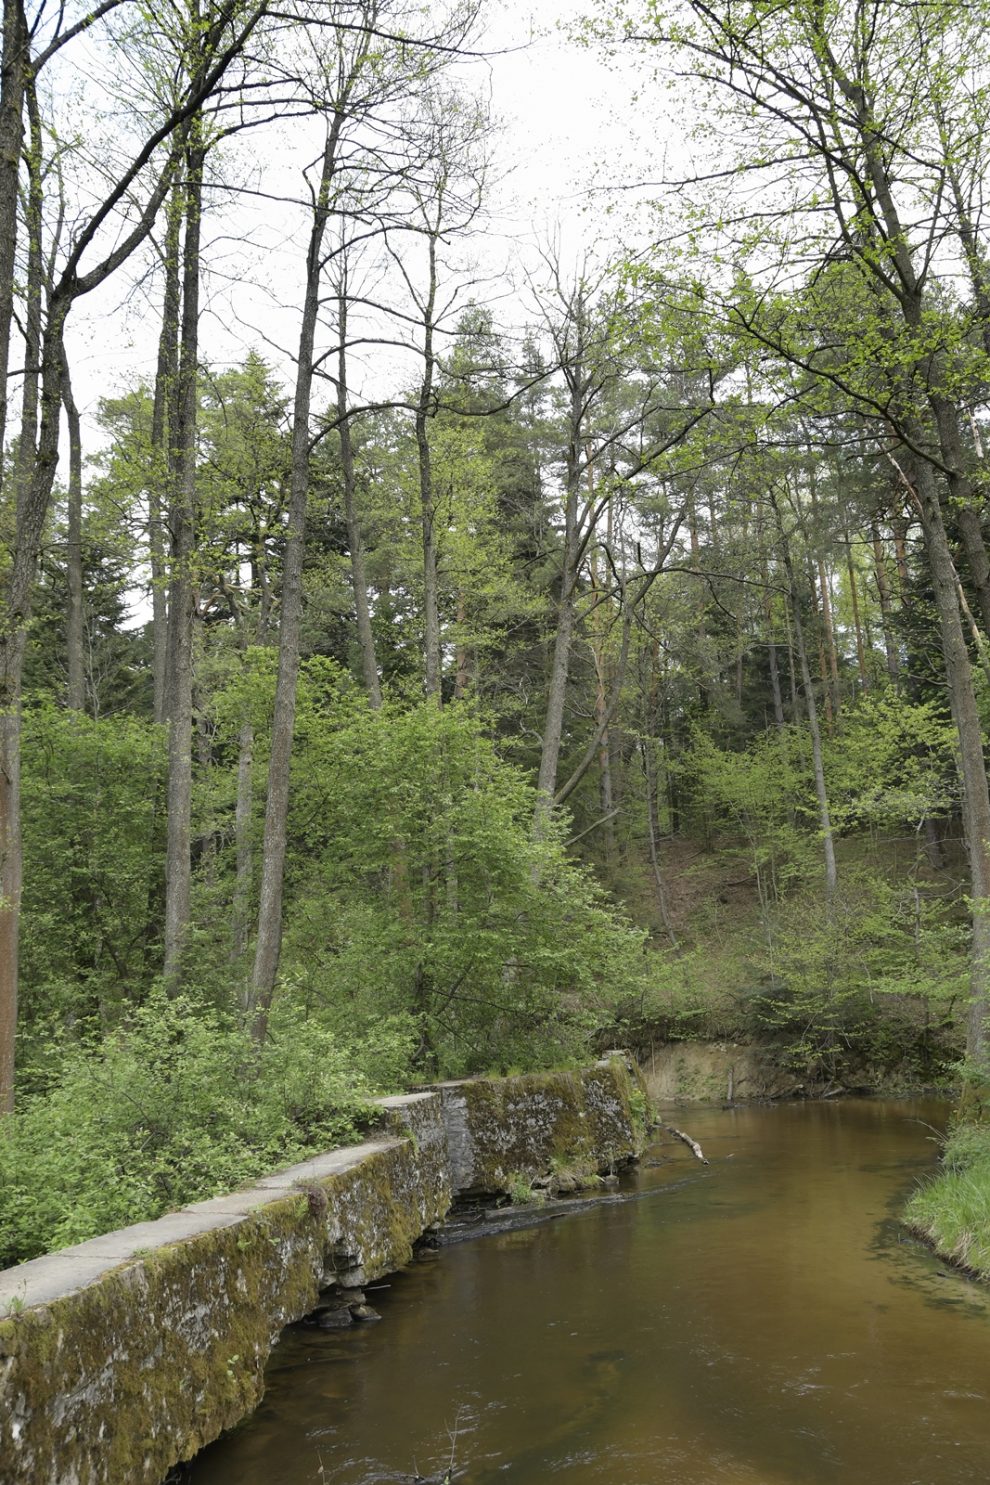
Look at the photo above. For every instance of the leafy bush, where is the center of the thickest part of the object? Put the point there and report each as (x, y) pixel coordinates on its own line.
(421, 899)
(93, 821)
(177, 1105)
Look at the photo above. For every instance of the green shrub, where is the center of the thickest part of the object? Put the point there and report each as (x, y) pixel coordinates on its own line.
(175, 1106)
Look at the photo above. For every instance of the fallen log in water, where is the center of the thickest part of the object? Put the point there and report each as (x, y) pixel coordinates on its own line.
(692, 1145)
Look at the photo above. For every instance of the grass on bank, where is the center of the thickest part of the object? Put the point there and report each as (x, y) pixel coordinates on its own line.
(952, 1211)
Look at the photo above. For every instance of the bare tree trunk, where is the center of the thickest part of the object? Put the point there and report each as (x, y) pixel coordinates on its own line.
(240, 915)
(182, 591)
(704, 692)
(899, 527)
(13, 632)
(653, 836)
(431, 604)
(14, 614)
(979, 640)
(864, 674)
(883, 592)
(965, 504)
(268, 944)
(933, 845)
(605, 794)
(14, 64)
(355, 540)
(11, 871)
(33, 293)
(791, 668)
(778, 700)
(164, 429)
(553, 724)
(244, 879)
(599, 641)
(76, 690)
(972, 762)
(813, 599)
(818, 763)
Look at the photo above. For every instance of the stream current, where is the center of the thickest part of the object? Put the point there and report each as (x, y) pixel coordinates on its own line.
(761, 1321)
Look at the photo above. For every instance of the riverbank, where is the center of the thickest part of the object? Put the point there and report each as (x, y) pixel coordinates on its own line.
(762, 1320)
(123, 1355)
(952, 1210)
(728, 1070)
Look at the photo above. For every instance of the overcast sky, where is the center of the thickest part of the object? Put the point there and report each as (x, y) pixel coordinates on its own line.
(569, 125)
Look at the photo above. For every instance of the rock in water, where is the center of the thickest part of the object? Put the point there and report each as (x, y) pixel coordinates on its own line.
(338, 1319)
(363, 1312)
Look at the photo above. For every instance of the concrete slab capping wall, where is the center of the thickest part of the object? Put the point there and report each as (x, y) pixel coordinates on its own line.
(123, 1355)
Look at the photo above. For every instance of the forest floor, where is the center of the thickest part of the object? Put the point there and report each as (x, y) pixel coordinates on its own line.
(882, 976)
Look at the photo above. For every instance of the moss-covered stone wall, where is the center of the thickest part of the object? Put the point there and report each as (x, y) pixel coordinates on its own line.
(124, 1355)
(589, 1120)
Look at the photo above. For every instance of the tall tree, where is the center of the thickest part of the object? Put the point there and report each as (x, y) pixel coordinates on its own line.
(125, 212)
(846, 104)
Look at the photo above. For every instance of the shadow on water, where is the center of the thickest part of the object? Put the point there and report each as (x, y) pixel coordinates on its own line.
(765, 1322)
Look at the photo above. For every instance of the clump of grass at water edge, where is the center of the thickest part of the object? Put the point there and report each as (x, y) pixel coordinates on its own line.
(952, 1210)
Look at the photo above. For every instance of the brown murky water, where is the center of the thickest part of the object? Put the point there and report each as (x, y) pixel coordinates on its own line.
(763, 1323)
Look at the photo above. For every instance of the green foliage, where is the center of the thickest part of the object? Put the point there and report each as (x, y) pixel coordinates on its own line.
(891, 763)
(176, 1105)
(953, 1210)
(869, 983)
(521, 1191)
(763, 793)
(426, 899)
(93, 805)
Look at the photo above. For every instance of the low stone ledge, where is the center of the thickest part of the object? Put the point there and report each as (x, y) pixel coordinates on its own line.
(125, 1354)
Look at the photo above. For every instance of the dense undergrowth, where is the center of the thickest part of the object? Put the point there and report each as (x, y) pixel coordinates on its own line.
(869, 996)
(429, 933)
(176, 1105)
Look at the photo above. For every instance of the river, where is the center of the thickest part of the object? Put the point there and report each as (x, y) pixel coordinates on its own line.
(761, 1321)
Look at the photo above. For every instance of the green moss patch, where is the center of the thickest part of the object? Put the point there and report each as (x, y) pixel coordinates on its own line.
(589, 1120)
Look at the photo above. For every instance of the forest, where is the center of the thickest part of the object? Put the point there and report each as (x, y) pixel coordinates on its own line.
(506, 662)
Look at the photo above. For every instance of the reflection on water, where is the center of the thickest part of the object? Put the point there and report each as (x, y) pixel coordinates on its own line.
(766, 1323)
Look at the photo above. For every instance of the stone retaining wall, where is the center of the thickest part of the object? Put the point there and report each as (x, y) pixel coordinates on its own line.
(121, 1356)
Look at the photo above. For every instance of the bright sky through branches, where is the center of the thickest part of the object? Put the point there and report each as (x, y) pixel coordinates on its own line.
(567, 127)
